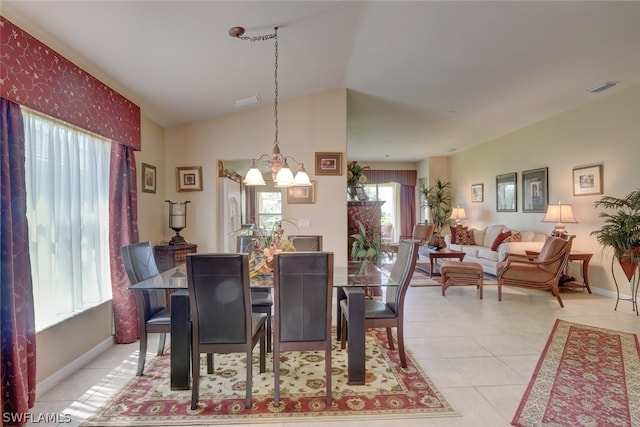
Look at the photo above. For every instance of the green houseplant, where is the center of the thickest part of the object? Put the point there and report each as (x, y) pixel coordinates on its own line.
(621, 229)
(437, 199)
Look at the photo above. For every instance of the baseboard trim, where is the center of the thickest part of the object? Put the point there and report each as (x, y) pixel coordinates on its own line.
(53, 380)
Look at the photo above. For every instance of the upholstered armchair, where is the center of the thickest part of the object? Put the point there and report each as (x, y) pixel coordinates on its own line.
(537, 272)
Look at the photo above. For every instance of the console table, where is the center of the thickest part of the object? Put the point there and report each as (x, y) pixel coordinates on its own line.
(169, 256)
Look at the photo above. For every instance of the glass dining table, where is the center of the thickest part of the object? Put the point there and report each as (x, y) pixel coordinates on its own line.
(354, 283)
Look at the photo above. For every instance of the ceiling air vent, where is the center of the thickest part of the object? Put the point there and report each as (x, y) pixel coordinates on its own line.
(601, 87)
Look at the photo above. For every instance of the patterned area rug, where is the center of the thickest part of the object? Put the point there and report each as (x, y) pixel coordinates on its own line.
(390, 392)
(586, 376)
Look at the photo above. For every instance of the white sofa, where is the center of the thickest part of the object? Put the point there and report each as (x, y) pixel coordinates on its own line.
(482, 254)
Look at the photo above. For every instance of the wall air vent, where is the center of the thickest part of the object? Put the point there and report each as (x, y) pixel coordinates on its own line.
(602, 87)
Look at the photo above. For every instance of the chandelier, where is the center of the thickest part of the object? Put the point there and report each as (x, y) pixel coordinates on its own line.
(278, 163)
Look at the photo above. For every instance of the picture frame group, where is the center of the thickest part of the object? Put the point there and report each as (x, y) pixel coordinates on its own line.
(587, 180)
(535, 190)
(507, 192)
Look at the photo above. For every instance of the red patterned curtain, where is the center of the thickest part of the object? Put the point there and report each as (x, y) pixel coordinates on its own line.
(123, 229)
(17, 320)
(407, 180)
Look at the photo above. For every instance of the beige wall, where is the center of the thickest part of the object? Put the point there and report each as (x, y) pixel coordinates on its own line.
(306, 125)
(603, 132)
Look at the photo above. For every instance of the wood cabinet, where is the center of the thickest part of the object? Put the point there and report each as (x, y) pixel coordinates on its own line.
(169, 256)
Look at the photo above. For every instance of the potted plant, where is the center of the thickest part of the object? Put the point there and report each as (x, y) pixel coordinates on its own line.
(437, 199)
(621, 229)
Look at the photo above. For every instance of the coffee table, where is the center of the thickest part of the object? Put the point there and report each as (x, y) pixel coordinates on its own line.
(434, 255)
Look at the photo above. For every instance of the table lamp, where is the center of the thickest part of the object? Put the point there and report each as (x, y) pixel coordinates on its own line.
(177, 221)
(458, 214)
(559, 214)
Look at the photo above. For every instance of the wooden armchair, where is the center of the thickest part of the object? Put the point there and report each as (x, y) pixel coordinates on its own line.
(537, 272)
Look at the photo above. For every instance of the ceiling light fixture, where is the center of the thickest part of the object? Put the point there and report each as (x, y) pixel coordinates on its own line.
(278, 163)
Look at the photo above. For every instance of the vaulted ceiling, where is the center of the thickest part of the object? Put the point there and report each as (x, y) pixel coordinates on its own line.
(425, 78)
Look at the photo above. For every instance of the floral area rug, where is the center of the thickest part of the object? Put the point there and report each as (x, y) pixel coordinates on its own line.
(390, 391)
(586, 376)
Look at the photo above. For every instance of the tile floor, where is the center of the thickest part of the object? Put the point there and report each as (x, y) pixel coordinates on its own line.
(479, 353)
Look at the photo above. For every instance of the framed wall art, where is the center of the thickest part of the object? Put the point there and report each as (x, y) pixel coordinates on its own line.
(300, 195)
(328, 163)
(587, 180)
(535, 190)
(477, 193)
(507, 192)
(148, 178)
(189, 178)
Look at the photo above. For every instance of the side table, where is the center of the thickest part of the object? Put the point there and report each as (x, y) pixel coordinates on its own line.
(583, 258)
(169, 256)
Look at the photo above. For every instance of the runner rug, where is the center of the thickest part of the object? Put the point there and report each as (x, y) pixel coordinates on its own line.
(586, 376)
(390, 392)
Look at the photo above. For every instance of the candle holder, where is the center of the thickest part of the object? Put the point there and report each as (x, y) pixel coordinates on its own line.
(177, 221)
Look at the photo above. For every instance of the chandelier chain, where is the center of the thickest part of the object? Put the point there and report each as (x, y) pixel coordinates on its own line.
(275, 77)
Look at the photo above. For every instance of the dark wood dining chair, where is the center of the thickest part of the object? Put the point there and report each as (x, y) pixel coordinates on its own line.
(153, 313)
(303, 287)
(311, 242)
(261, 299)
(389, 313)
(221, 316)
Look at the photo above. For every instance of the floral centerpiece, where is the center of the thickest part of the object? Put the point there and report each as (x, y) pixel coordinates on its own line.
(265, 247)
(366, 242)
(355, 178)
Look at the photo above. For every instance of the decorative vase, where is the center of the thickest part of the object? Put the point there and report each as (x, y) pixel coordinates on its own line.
(628, 260)
(352, 193)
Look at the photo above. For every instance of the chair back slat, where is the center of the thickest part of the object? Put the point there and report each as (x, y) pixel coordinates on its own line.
(401, 273)
(306, 242)
(303, 285)
(140, 265)
(219, 296)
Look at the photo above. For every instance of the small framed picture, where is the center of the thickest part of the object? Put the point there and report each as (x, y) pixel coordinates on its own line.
(535, 190)
(587, 180)
(477, 193)
(328, 163)
(361, 194)
(301, 195)
(189, 178)
(148, 178)
(507, 192)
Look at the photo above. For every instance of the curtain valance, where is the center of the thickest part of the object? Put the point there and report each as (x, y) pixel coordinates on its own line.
(36, 76)
(403, 177)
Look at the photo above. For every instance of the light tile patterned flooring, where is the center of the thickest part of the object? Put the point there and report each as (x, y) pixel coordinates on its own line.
(479, 353)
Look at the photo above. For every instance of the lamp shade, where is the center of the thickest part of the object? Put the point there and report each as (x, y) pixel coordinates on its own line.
(458, 213)
(559, 214)
(254, 176)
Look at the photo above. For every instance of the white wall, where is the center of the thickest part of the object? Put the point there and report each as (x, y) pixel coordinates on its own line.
(605, 131)
(306, 125)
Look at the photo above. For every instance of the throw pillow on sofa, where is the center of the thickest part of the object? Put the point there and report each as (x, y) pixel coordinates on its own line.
(517, 237)
(499, 239)
(453, 232)
(464, 237)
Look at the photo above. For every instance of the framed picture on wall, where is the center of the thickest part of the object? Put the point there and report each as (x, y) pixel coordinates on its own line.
(477, 193)
(300, 195)
(189, 178)
(587, 180)
(148, 178)
(507, 192)
(328, 163)
(535, 190)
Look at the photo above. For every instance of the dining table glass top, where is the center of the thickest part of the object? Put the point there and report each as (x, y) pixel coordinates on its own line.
(355, 274)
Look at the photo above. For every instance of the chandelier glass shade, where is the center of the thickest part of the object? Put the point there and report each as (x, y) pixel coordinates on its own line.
(278, 163)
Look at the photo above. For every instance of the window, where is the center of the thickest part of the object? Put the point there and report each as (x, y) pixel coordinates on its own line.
(67, 180)
(390, 210)
(269, 209)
